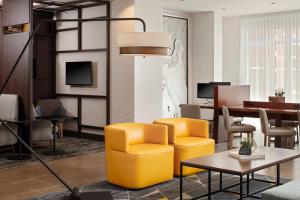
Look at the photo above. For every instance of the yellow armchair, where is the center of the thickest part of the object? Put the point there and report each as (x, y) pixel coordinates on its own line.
(190, 138)
(138, 155)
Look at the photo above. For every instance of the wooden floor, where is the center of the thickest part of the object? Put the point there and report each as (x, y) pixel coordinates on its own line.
(30, 180)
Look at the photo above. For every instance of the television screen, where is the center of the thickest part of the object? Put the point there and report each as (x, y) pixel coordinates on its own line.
(205, 90)
(79, 73)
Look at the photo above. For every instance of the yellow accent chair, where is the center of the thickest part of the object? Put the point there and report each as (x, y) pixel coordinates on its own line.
(138, 155)
(190, 138)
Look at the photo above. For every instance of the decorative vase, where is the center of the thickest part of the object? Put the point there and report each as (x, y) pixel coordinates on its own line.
(277, 99)
(245, 151)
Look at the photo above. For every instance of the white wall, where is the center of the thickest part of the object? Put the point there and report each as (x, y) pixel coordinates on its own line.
(231, 49)
(218, 47)
(148, 71)
(206, 50)
(122, 67)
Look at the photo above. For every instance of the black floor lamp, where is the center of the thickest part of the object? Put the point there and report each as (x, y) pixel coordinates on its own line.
(142, 43)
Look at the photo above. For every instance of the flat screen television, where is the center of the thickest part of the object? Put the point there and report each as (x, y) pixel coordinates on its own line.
(79, 73)
(205, 90)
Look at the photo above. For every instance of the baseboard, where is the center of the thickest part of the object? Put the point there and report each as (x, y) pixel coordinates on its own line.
(84, 135)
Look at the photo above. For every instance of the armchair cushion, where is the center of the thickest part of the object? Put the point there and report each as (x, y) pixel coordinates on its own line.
(156, 134)
(9, 109)
(198, 128)
(6, 138)
(141, 149)
(116, 139)
(50, 107)
(9, 106)
(192, 141)
(41, 130)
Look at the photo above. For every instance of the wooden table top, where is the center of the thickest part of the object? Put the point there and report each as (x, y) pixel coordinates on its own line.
(252, 109)
(222, 162)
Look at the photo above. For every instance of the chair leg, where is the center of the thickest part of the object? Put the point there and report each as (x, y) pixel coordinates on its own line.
(297, 132)
(269, 141)
(51, 144)
(265, 140)
(229, 141)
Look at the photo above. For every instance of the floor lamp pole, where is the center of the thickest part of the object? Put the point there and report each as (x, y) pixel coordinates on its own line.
(75, 193)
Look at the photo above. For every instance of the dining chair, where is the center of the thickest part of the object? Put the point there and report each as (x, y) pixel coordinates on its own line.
(193, 111)
(288, 123)
(272, 131)
(232, 128)
(190, 111)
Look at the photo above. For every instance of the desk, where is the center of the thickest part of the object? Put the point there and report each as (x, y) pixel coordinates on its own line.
(243, 111)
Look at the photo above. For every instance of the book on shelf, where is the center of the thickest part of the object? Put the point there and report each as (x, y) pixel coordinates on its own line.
(255, 155)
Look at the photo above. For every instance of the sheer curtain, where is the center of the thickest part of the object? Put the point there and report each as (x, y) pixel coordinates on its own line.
(270, 55)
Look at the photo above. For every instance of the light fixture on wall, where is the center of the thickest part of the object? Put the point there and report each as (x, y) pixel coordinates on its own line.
(135, 43)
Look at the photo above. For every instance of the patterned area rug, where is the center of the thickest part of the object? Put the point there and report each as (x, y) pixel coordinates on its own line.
(72, 146)
(193, 186)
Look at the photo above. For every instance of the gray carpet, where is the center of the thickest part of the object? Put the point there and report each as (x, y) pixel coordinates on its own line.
(193, 186)
(72, 146)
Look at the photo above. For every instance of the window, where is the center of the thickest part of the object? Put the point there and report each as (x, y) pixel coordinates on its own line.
(270, 55)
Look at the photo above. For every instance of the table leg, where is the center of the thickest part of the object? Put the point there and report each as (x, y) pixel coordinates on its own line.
(20, 155)
(241, 187)
(54, 151)
(247, 184)
(180, 182)
(278, 175)
(54, 137)
(221, 181)
(216, 126)
(209, 184)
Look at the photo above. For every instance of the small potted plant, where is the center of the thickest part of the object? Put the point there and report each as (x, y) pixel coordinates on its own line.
(279, 96)
(246, 146)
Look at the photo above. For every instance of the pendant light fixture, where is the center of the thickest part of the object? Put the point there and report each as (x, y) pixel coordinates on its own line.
(144, 43)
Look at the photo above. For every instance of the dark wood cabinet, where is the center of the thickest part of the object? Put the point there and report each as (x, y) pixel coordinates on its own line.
(43, 57)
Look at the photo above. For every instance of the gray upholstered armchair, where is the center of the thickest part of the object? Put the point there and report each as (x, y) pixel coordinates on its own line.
(9, 109)
(41, 129)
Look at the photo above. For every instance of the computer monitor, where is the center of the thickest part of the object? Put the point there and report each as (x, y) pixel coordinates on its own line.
(205, 90)
(220, 83)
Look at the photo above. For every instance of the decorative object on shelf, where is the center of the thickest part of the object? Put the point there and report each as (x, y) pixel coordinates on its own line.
(279, 96)
(18, 28)
(246, 146)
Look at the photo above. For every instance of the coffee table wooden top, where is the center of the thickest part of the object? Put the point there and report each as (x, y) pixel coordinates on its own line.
(222, 162)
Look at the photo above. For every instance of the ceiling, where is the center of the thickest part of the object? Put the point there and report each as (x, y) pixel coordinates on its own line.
(232, 7)
(62, 5)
